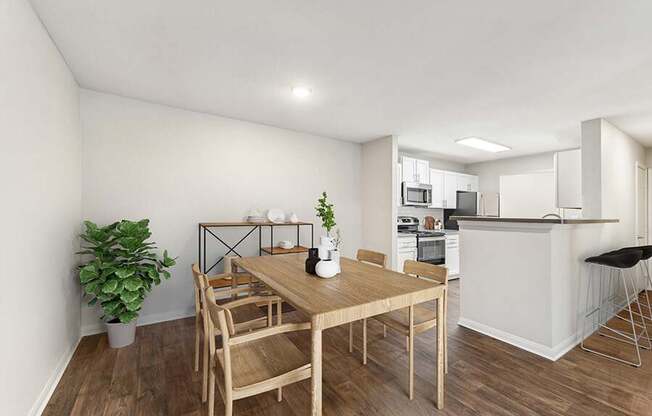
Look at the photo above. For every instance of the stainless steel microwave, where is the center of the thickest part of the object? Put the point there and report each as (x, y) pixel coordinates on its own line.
(416, 194)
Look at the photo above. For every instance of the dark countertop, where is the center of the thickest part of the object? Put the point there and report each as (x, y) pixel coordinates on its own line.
(536, 220)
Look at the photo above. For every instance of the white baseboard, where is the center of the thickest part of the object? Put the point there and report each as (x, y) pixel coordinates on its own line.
(551, 353)
(53, 381)
(99, 327)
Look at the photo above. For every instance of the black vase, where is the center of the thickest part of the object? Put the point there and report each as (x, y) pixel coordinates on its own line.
(312, 260)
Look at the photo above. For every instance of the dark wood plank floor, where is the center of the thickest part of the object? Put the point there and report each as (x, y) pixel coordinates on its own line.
(154, 376)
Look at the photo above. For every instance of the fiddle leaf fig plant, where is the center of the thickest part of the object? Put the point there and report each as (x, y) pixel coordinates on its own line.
(123, 269)
(326, 213)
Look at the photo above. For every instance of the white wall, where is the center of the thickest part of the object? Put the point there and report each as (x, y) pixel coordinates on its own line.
(620, 153)
(489, 173)
(379, 185)
(40, 164)
(179, 168)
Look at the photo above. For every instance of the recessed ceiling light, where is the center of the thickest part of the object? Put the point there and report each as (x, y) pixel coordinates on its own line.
(301, 92)
(482, 144)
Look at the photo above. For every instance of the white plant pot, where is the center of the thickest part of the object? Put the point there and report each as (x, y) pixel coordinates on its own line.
(325, 246)
(335, 257)
(121, 335)
(326, 269)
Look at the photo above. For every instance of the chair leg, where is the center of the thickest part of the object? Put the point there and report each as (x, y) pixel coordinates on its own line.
(384, 331)
(204, 377)
(411, 354)
(364, 341)
(211, 393)
(407, 343)
(197, 342)
(350, 336)
(446, 332)
(279, 394)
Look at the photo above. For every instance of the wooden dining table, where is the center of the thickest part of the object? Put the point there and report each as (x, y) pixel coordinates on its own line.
(360, 291)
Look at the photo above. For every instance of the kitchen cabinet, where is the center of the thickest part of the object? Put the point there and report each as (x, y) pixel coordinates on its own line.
(415, 170)
(437, 183)
(450, 190)
(399, 184)
(568, 179)
(453, 254)
(423, 171)
(467, 183)
(407, 250)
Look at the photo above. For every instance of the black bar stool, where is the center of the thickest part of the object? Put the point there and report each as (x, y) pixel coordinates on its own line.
(618, 263)
(645, 273)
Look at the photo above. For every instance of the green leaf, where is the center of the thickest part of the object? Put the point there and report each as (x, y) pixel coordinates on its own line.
(124, 273)
(128, 297)
(110, 307)
(127, 317)
(110, 286)
(166, 274)
(167, 260)
(92, 302)
(135, 305)
(92, 287)
(133, 284)
(88, 273)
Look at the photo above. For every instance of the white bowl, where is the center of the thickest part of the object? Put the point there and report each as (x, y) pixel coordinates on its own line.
(276, 215)
(286, 244)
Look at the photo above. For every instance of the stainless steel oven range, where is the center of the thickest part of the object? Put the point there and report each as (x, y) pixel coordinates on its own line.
(431, 245)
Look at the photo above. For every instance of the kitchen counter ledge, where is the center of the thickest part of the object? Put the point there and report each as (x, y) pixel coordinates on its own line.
(537, 220)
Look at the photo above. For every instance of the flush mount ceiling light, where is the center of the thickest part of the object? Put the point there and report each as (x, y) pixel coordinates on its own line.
(301, 92)
(482, 144)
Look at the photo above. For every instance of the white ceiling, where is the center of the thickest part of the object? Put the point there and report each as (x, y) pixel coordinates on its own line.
(523, 73)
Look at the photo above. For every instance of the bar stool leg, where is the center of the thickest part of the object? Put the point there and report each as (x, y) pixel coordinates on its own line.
(634, 338)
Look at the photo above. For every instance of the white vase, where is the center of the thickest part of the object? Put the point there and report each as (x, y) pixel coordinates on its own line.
(326, 269)
(293, 218)
(335, 257)
(325, 246)
(121, 335)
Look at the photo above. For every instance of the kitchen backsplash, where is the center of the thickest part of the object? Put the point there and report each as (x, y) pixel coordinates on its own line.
(419, 213)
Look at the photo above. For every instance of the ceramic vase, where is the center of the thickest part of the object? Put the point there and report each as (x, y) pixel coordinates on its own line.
(335, 257)
(312, 260)
(326, 269)
(325, 246)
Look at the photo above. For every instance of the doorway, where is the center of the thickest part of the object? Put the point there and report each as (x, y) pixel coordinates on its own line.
(641, 205)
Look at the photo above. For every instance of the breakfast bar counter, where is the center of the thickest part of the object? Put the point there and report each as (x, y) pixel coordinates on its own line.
(521, 278)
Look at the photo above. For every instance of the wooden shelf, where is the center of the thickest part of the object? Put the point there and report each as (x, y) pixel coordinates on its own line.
(278, 250)
(248, 224)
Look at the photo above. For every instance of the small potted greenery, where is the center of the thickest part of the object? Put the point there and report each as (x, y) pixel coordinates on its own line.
(328, 246)
(122, 271)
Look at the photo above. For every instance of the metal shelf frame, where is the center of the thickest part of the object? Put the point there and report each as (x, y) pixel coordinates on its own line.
(211, 228)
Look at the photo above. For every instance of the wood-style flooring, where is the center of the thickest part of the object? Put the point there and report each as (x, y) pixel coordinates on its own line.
(154, 376)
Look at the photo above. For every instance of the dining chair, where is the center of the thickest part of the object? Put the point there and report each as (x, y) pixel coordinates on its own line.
(418, 319)
(377, 259)
(251, 363)
(247, 317)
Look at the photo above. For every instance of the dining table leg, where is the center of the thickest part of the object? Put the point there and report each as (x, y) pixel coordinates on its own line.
(440, 352)
(315, 402)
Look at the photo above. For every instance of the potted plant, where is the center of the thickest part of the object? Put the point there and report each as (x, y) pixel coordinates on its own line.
(122, 271)
(325, 211)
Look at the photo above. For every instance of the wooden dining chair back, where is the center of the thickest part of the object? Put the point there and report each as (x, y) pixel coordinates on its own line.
(248, 317)
(252, 363)
(372, 257)
(429, 271)
(417, 319)
(377, 259)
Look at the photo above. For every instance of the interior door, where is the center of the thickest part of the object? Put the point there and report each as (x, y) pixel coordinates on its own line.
(641, 205)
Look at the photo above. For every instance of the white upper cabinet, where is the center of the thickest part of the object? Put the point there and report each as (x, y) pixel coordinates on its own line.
(568, 174)
(423, 171)
(467, 183)
(399, 184)
(415, 170)
(450, 190)
(437, 182)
